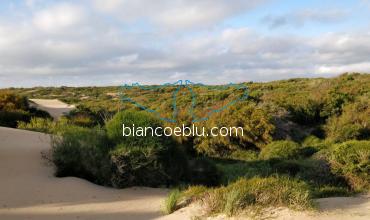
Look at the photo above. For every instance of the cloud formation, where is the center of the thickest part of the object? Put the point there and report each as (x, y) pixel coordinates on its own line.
(300, 18)
(114, 42)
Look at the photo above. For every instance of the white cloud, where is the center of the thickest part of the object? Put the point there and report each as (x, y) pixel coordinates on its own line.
(300, 18)
(176, 14)
(58, 18)
(63, 41)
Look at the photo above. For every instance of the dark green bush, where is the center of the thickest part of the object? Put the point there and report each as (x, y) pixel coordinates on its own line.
(305, 111)
(11, 118)
(83, 153)
(281, 150)
(144, 160)
(136, 166)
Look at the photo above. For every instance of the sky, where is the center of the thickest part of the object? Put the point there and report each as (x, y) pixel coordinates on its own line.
(113, 42)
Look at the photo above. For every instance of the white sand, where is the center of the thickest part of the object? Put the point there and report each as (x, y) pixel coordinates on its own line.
(28, 190)
(55, 107)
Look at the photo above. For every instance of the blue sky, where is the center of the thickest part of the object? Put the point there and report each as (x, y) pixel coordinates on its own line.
(110, 42)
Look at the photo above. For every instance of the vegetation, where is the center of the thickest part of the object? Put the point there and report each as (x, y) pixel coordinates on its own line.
(257, 192)
(352, 160)
(281, 150)
(171, 201)
(292, 129)
(15, 108)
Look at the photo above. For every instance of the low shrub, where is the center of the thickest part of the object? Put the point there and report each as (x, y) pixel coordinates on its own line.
(44, 125)
(281, 150)
(351, 159)
(258, 192)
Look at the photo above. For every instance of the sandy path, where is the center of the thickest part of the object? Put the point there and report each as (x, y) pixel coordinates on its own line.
(28, 189)
(55, 107)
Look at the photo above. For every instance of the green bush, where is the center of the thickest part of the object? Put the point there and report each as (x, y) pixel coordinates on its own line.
(136, 166)
(257, 131)
(132, 118)
(258, 192)
(82, 152)
(144, 160)
(353, 123)
(304, 111)
(281, 150)
(352, 160)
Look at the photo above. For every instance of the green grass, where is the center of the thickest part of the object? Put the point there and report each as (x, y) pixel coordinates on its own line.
(170, 203)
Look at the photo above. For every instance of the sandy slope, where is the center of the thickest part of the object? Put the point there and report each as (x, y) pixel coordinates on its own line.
(28, 190)
(55, 107)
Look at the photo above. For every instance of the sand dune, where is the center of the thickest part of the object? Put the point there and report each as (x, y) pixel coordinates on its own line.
(55, 107)
(28, 190)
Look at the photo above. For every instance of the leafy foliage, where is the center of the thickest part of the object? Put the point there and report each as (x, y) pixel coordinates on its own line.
(353, 123)
(352, 160)
(281, 150)
(257, 130)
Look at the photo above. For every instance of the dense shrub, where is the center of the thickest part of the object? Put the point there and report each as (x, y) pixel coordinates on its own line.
(304, 111)
(257, 130)
(143, 160)
(136, 166)
(352, 160)
(353, 123)
(281, 150)
(83, 153)
(135, 119)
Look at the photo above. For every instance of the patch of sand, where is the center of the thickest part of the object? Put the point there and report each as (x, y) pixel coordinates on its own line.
(55, 107)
